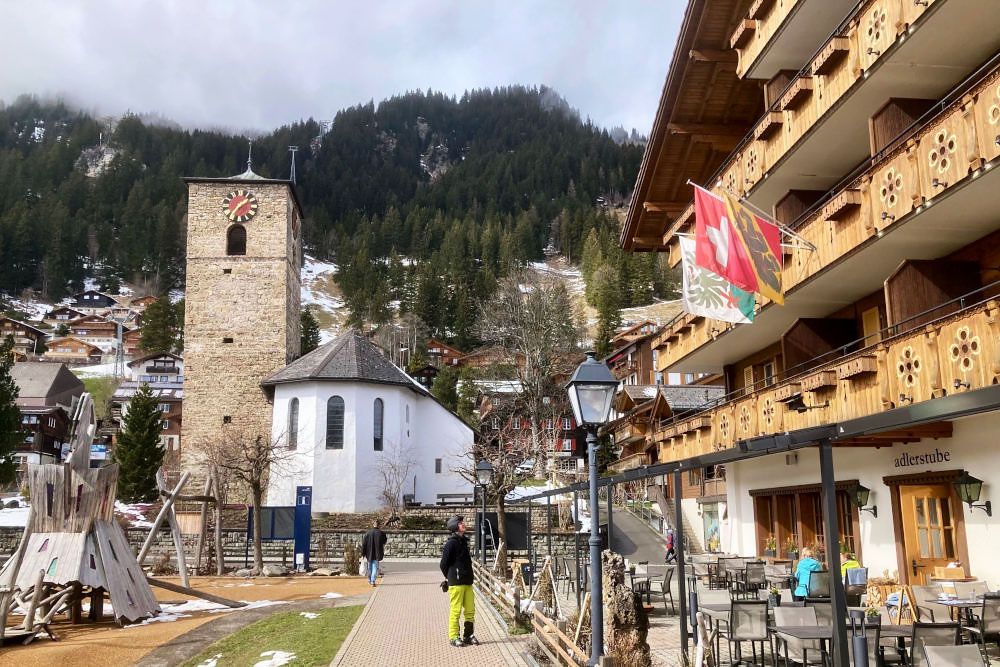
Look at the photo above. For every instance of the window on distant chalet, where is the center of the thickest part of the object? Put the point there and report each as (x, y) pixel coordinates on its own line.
(515, 423)
(437, 466)
(293, 423)
(377, 427)
(496, 424)
(335, 423)
(236, 240)
(567, 424)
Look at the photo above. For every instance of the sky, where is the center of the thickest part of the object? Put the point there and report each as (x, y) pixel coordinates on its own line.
(259, 64)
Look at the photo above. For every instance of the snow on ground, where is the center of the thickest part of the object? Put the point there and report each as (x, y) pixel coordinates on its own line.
(135, 513)
(308, 615)
(97, 370)
(16, 517)
(522, 491)
(36, 309)
(275, 659)
(172, 612)
(320, 290)
(211, 662)
(331, 596)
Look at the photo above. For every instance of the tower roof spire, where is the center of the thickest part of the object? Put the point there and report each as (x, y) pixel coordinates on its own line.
(249, 174)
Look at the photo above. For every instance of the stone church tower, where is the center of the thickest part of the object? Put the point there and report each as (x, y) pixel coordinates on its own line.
(241, 310)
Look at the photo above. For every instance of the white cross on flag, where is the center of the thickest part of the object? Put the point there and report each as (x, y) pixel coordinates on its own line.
(716, 248)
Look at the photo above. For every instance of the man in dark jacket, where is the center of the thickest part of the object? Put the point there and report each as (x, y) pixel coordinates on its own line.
(373, 549)
(456, 566)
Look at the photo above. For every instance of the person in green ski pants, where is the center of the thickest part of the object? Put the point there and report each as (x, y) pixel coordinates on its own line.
(456, 566)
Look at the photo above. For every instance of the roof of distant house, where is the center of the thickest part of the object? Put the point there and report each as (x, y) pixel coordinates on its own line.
(176, 357)
(23, 324)
(41, 379)
(350, 356)
(690, 396)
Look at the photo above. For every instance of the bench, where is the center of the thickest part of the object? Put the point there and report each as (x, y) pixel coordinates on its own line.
(455, 498)
(408, 500)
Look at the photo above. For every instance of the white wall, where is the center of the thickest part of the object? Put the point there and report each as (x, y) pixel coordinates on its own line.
(348, 479)
(973, 446)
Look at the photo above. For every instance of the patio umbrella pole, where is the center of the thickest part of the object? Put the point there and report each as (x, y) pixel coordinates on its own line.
(838, 597)
(679, 550)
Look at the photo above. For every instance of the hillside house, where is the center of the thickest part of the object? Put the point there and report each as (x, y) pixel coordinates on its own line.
(441, 354)
(27, 338)
(45, 396)
(92, 302)
(62, 315)
(95, 330)
(164, 373)
(131, 340)
(73, 351)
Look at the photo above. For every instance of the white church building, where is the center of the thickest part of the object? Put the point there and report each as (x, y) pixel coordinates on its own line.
(347, 412)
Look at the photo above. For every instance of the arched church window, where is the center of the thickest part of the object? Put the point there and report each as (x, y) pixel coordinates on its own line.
(236, 240)
(335, 423)
(293, 423)
(379, 409)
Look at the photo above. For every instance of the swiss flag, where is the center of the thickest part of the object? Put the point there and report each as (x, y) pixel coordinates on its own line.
(716, 249)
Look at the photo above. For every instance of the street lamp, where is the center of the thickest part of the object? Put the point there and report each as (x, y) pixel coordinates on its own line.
(484, 474)
(591, 390)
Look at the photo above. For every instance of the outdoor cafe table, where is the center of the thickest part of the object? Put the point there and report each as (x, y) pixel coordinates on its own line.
(961, 607)
(824, 633)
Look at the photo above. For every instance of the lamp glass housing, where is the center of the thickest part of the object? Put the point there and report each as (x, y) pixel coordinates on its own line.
(861, 493)
(968, 488)
(484, 472)
(591, 391)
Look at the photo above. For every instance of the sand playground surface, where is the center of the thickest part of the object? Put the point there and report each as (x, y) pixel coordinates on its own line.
(108, 645)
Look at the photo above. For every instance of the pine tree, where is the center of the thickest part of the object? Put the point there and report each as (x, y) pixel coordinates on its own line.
(10, 416)
(445, 387)
(159, 328)
(309, 331)
(138, 452)
(607, 297)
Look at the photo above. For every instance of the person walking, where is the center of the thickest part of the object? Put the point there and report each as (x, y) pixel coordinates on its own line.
(671, 555)
(373, 549)
(456, 566)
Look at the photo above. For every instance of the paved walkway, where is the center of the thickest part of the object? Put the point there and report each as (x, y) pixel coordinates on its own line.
(406, 623)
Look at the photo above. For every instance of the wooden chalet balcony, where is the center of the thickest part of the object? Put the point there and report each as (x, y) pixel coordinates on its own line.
(623, 369)
(838, 89)
(629, 462)
(953, 353)
(775, 33)
(948, 160)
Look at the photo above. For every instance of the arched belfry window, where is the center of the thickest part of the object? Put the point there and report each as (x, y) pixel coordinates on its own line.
(379, 409)
(236, 240)
(335, 423)
(293, 423)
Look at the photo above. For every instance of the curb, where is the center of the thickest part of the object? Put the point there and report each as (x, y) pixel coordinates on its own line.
(354, 631)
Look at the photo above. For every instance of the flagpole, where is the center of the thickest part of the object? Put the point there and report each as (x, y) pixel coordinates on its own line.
(767, 216)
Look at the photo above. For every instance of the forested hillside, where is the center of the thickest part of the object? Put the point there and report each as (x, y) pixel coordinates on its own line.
(423, 200)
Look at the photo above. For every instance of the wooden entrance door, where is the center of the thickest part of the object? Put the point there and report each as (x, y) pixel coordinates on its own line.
(929, 529)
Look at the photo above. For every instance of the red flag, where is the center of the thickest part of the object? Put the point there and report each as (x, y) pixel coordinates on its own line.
(716, 248)
(758, 241)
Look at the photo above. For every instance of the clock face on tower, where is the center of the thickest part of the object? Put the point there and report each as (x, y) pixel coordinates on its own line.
(239, 206)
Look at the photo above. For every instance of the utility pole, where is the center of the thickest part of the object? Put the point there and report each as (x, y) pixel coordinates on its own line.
(293, 150)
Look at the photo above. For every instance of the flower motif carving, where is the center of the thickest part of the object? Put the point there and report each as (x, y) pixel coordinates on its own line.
(908, 366)
(768, 413)
(745, 419)
(993, 113)
(965, 349)
(752, 164)
(724, 426)
(940, 154)
(878, 24)
(892, 186)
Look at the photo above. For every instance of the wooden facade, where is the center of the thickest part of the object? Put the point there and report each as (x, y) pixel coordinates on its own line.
(941, 156)
(27, 339)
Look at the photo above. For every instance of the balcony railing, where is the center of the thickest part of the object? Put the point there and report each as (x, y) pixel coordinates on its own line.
(879, 194)
(955, 352)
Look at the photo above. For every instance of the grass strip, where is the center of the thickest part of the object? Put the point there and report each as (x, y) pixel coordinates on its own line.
(314, 641)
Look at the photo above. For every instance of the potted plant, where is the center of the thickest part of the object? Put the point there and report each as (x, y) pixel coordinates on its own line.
(873, 616)
(713, 544)
(774, 596)
(771, 547)
(791, 548)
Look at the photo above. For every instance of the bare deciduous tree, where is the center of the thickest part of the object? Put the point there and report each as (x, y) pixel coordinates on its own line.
(394, 467)
(507, 450)
(531, 317)
(248, 459)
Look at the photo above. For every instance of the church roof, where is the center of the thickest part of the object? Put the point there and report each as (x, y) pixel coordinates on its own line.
(350, 356)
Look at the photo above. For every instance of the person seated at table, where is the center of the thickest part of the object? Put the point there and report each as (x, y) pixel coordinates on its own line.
(848, 561)
(806, 565)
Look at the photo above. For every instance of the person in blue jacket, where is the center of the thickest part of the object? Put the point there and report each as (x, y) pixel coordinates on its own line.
(807, 564)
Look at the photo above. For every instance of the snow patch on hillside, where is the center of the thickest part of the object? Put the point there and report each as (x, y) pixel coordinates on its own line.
(320, 290)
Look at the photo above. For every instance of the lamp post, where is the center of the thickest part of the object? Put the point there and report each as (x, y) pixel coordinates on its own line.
(591, 390)
(484, 474)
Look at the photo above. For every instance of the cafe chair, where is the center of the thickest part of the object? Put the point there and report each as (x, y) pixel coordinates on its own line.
(752, 580)
(747, 623)
(930, 634)
(953, 656)
(664, 589)
(970, 590)
(819, 584)
(801, 651)
(778, 574)
(923, 599)
(988, 627)
(823, 609)
(855, 585)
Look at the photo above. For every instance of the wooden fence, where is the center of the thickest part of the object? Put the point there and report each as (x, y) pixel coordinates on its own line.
(556, 644)
(503, 595)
